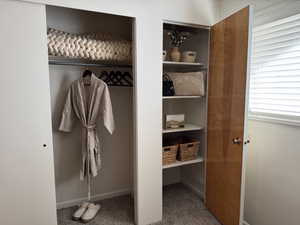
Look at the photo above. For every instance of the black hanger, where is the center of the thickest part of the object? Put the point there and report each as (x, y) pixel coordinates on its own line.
(128, 78)
(112, 78)
(104, 76)
(87, 73)
(116, 78)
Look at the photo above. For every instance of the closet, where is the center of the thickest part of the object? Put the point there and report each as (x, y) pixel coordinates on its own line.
(193, 107)
(213, 121)
(116, 175)
(33, 92)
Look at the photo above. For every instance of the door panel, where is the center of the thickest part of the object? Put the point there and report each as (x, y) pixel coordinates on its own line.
(27, 189)
(226, 114)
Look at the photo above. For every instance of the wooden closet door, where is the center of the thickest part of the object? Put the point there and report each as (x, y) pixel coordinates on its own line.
(226, 115)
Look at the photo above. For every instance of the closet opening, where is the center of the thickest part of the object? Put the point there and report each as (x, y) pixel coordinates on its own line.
(99, 46)
(185, 71)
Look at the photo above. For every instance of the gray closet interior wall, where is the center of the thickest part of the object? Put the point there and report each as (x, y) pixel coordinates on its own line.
(116, 176)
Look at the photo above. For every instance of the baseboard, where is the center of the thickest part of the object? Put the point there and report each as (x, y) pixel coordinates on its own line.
(193, 187)
(74, 202)
(245, 223)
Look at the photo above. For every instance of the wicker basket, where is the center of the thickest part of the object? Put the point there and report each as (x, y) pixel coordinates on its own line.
(188, 151)
(169, 154)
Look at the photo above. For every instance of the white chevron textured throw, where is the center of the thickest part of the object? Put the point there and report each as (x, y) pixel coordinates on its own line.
(99, 47)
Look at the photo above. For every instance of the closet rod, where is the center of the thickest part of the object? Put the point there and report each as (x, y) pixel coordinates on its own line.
(65, 63)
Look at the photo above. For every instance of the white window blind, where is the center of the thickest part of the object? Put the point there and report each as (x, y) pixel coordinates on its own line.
(275, 70)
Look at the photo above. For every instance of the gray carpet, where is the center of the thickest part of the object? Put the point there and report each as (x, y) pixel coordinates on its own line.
(180, 207)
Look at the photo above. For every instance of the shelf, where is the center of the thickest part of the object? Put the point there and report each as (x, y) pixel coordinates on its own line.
(82, 62)
(183, 27)
(180, 163)
(181, 97)
(183, 66)
(187, 127)
(182, 63)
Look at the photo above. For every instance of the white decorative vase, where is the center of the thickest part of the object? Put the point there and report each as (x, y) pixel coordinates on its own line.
(175, 54)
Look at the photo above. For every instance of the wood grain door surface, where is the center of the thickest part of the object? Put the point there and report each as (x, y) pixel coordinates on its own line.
(226, 113)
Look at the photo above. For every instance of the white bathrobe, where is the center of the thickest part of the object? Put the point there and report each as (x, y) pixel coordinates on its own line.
(87, 103)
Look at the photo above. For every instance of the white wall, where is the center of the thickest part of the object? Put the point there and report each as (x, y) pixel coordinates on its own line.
(272, 175)
(148, 35)
(265, 10)
(272, 182)
(204, 12)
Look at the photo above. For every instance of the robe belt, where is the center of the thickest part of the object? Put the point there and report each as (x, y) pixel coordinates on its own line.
(90, 127)
(91, 136)
(92, 155)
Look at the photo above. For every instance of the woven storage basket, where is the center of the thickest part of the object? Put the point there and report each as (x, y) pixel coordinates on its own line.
(169, 154)
(188, 151)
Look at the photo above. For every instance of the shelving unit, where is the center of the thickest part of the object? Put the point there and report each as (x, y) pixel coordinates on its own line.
(187, 127)
(181, 97)
(183, 163)
(194, 108)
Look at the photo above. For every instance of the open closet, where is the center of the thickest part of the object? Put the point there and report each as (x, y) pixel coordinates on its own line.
(190, 134)
(204, 110)
(190, 104)
(185, 64)
(82, 42)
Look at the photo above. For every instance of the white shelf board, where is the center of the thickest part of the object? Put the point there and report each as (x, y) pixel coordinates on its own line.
(180, 97)
(58, 60)
(182, 63)
(187, 127)
(183, 163)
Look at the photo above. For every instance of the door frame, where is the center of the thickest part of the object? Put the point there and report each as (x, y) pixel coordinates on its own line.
(134, 152)
(246, 137)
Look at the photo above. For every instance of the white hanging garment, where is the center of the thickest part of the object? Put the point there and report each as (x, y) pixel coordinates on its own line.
(87, 103)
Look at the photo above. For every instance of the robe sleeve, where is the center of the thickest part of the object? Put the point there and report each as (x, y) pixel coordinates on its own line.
(68, 115)
(107, 113)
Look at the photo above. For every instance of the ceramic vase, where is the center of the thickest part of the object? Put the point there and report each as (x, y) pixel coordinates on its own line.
(175, 54)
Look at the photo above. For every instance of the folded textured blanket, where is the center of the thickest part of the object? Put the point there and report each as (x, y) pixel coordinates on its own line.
(100, 47)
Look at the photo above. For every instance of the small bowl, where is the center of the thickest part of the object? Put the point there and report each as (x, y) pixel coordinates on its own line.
(189, 56)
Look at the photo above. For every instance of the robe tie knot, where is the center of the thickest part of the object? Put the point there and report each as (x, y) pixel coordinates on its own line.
(90, 127)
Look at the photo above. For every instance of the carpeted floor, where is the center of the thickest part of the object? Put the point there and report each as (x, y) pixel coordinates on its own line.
(180, 207)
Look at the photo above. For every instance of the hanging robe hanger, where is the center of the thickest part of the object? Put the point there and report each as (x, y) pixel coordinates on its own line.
(87, 74)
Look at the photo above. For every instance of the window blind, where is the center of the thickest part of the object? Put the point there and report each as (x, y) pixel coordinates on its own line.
(275, 69)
